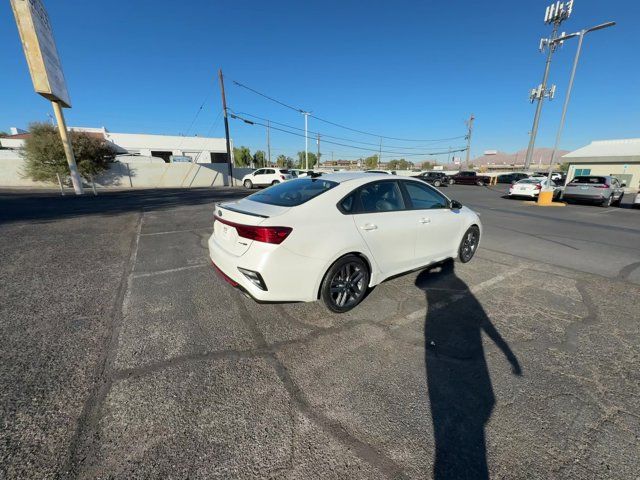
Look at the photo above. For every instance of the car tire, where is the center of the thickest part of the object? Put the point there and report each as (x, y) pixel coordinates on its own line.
(248, 184)
(618, 202)
(275, 182)
(480, 183)
(451, 181)
(341, 290)
(607, 203)
(469, 244)
(436, 183)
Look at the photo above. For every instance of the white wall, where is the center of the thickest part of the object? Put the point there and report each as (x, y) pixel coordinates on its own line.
(132, 175)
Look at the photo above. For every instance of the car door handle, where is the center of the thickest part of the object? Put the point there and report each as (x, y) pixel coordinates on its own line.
(369, 226)
(425, 220)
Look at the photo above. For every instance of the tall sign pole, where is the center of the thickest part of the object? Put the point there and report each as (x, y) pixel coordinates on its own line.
(555, 14)
(226, 126)
(45, 68)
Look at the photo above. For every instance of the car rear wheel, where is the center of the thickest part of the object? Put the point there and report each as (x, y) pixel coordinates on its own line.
(451, 181)
(607, 203)
(436, 183)
(479, 183)
(345, 284)
(248, 184)
(275, 182)
(469, 244)
(618, 202)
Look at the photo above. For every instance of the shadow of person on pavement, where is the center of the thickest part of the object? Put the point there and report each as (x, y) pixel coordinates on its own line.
(460, 390)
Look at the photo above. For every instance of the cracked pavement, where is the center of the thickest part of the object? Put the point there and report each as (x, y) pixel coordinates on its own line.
(128, 357)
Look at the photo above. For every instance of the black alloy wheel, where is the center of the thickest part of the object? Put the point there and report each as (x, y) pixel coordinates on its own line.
(469, 244)
(345, 284)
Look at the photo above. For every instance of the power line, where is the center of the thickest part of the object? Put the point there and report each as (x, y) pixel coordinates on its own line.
(333, 136)
(300, 110)
(250, 122)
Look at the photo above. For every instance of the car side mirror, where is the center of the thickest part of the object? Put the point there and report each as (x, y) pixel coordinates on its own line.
(455, 205)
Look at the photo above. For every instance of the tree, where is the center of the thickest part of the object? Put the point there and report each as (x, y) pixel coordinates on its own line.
(426, 166)
(284, 162)
(45, 158)
(371, 162)
(392, 164)
(241, 156)
(564, 167)
(259, 159)
(404, 165)
(313, 159)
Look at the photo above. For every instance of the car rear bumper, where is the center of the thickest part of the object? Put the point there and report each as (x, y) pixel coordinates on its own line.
(288, 277)
(584, 198)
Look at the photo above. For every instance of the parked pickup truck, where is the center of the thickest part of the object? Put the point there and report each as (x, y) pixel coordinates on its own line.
(470, 178)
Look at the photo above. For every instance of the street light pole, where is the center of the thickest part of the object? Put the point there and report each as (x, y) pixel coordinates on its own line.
(580, 36)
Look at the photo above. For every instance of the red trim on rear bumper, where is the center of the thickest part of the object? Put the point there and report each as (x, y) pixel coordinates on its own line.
(226, 278)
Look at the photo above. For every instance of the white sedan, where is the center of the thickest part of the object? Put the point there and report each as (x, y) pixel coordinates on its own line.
(331, 237)
(530, 187)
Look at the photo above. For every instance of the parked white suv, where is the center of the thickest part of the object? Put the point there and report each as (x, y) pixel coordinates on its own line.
(264, 177)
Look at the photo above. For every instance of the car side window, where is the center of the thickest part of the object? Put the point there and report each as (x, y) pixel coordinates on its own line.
(424, 198)
(348, 204)
(270, 171)
(258, 172)
(381, 197)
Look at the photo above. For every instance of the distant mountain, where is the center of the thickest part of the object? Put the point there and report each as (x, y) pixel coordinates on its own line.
(541, 156)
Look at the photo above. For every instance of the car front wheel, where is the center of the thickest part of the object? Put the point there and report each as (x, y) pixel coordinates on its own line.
(436, 183)
(469, 244)
(345, 284)
(451, 181)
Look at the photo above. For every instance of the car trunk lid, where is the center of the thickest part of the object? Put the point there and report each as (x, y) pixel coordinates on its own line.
(231, 216)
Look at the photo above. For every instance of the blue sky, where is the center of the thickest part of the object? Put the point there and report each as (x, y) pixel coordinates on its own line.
(409, 69)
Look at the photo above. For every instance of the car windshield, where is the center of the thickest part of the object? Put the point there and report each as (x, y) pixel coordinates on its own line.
(293, 192)
(593, 180)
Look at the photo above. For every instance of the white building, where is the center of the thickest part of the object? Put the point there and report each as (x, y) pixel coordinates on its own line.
(620, 158)
(169, 148)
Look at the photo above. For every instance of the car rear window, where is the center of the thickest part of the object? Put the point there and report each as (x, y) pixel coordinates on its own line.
(284, 171)
(592, 180)
(294, 192)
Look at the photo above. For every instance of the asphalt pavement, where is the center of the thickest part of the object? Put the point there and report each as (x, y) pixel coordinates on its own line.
(124, 355)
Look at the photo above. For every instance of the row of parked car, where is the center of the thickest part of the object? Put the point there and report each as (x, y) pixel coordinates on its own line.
(605, 190)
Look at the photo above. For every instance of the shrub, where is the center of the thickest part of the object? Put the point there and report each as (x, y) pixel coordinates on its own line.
(45, 158)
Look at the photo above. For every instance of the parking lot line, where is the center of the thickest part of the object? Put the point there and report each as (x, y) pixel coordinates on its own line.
(170, 270)
(420, 313)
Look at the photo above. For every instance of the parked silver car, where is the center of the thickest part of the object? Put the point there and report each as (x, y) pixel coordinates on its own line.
(603, 190)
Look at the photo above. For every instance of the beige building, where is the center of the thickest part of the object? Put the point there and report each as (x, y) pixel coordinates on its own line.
(620, 158)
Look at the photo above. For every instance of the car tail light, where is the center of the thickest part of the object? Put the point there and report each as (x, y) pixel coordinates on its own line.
(538, 186)
(282, 177)
(274, 235)
(601, 186)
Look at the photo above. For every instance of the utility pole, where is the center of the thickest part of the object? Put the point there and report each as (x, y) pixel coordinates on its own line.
(318, 140)
(269, 142)
(565, 105)
(306, 140)
(226, 126)
(380, 154)
(556, 14)
(469, 132)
